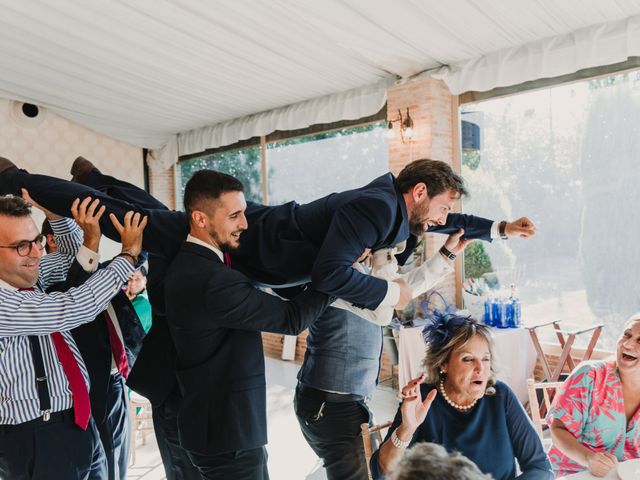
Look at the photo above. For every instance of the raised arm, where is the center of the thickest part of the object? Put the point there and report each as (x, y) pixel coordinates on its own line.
(239, 305)
(37, 313)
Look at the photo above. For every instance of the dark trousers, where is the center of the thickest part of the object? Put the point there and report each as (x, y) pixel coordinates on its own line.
(115, 429)
(334, 433)
(163, 235)
(238, 465)
(176, 461)
(53, 450)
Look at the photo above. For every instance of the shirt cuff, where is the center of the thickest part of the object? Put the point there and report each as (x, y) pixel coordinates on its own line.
(495, 232)
(88, 259)
(392, 296)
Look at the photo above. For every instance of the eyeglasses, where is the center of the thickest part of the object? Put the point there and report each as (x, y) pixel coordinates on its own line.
(24, 247)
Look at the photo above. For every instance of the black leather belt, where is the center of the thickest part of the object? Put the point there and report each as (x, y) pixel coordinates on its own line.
(323, 396)
(65, 416)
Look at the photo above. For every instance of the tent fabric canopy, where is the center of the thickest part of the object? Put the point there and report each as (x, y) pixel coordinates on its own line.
(184, 74)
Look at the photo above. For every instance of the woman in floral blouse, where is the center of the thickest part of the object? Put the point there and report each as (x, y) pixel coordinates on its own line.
(595, 417)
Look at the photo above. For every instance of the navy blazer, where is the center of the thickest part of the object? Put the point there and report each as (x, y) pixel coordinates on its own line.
(215, 316)
(319, 241)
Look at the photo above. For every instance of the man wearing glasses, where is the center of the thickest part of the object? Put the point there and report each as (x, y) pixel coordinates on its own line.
(46, 430)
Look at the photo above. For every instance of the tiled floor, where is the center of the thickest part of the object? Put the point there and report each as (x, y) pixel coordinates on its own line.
(290, 458)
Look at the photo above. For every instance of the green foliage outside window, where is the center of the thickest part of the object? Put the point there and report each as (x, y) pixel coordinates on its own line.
(244, 164)
(476, 261)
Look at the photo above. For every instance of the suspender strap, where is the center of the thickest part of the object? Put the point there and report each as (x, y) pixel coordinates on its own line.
(41, 377)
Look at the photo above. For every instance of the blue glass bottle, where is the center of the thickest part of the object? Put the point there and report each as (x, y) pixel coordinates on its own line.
(515, 320)
(487, 319)
(497, 316)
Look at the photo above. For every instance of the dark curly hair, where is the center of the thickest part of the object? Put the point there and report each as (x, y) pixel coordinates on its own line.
(14, 206)
(438, 176)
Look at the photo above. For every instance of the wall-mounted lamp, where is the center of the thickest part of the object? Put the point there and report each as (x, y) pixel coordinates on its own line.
(406, 126)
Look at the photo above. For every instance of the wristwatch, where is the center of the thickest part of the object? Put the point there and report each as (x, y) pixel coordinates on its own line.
(445, 251)
(502, 226)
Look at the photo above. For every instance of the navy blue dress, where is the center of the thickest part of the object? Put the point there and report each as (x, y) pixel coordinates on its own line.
(495, 433)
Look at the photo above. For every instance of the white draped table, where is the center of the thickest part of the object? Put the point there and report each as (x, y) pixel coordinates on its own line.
(514, 357)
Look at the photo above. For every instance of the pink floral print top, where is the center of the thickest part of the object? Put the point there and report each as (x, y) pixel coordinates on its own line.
(591, 407)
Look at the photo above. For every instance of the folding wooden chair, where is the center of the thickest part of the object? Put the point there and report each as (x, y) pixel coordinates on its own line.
(367, 433)
(539, 410)
(566, 344)
(141, 421)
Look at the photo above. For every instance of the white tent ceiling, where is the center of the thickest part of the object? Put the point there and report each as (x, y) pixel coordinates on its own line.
(144, 70)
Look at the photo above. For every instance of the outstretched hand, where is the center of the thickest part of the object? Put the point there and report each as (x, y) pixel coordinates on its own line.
(87, 215)
(414, 410)
(522, 227)
(130, 231)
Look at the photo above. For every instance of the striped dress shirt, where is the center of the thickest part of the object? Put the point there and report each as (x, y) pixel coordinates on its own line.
(24, 313)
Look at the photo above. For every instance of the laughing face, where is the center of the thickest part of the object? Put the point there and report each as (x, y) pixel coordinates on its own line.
(20, 272)
(468, 370)
(628, 348)
(225, 220)
(430, 212)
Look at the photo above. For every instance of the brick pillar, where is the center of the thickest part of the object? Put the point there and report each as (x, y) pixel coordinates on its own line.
(162, 186)
(434, 113)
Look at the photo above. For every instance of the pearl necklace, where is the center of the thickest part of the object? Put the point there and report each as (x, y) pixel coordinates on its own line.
(462, 408)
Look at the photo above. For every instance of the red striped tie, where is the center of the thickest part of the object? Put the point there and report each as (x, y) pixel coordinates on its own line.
(79, 391)
(119, 355)
(227, 259)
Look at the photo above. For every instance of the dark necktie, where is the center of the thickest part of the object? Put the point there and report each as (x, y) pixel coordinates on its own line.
(227, 259)
(79, 391)
(119, 354)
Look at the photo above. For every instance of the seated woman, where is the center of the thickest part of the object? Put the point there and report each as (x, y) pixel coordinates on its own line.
(595, 417)
(464, 408)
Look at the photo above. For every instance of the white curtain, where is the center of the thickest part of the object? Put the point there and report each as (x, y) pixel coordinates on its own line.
(593, 46)
(349, 105)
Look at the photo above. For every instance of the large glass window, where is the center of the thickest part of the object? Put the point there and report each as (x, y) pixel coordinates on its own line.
(244, 164)
(309, 167)
(302, 168)
(567, 158)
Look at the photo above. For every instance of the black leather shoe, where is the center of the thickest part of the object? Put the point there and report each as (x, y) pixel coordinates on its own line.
(5, 164)
(80, 169)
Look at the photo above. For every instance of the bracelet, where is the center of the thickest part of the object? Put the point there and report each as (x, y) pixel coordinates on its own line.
(445, 251)
(133, 258)
(502, 226)
(397, 442)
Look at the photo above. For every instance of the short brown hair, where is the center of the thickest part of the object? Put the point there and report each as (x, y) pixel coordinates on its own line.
(208, 185)
(436, 175)
(14, 206)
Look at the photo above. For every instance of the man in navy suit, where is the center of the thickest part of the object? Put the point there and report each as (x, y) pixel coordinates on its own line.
(215, 315)
(290, 244)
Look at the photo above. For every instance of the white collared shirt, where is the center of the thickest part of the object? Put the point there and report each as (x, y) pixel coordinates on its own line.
(197, 241)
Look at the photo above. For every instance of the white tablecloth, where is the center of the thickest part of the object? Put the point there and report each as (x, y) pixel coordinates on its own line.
(514, 357)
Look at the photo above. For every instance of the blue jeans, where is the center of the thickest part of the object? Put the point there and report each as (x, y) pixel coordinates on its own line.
(334, 434)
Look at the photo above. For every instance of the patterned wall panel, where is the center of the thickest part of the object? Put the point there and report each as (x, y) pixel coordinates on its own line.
(48, 144)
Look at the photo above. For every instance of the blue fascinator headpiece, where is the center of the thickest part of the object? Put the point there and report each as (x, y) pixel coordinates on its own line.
(443, 323)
